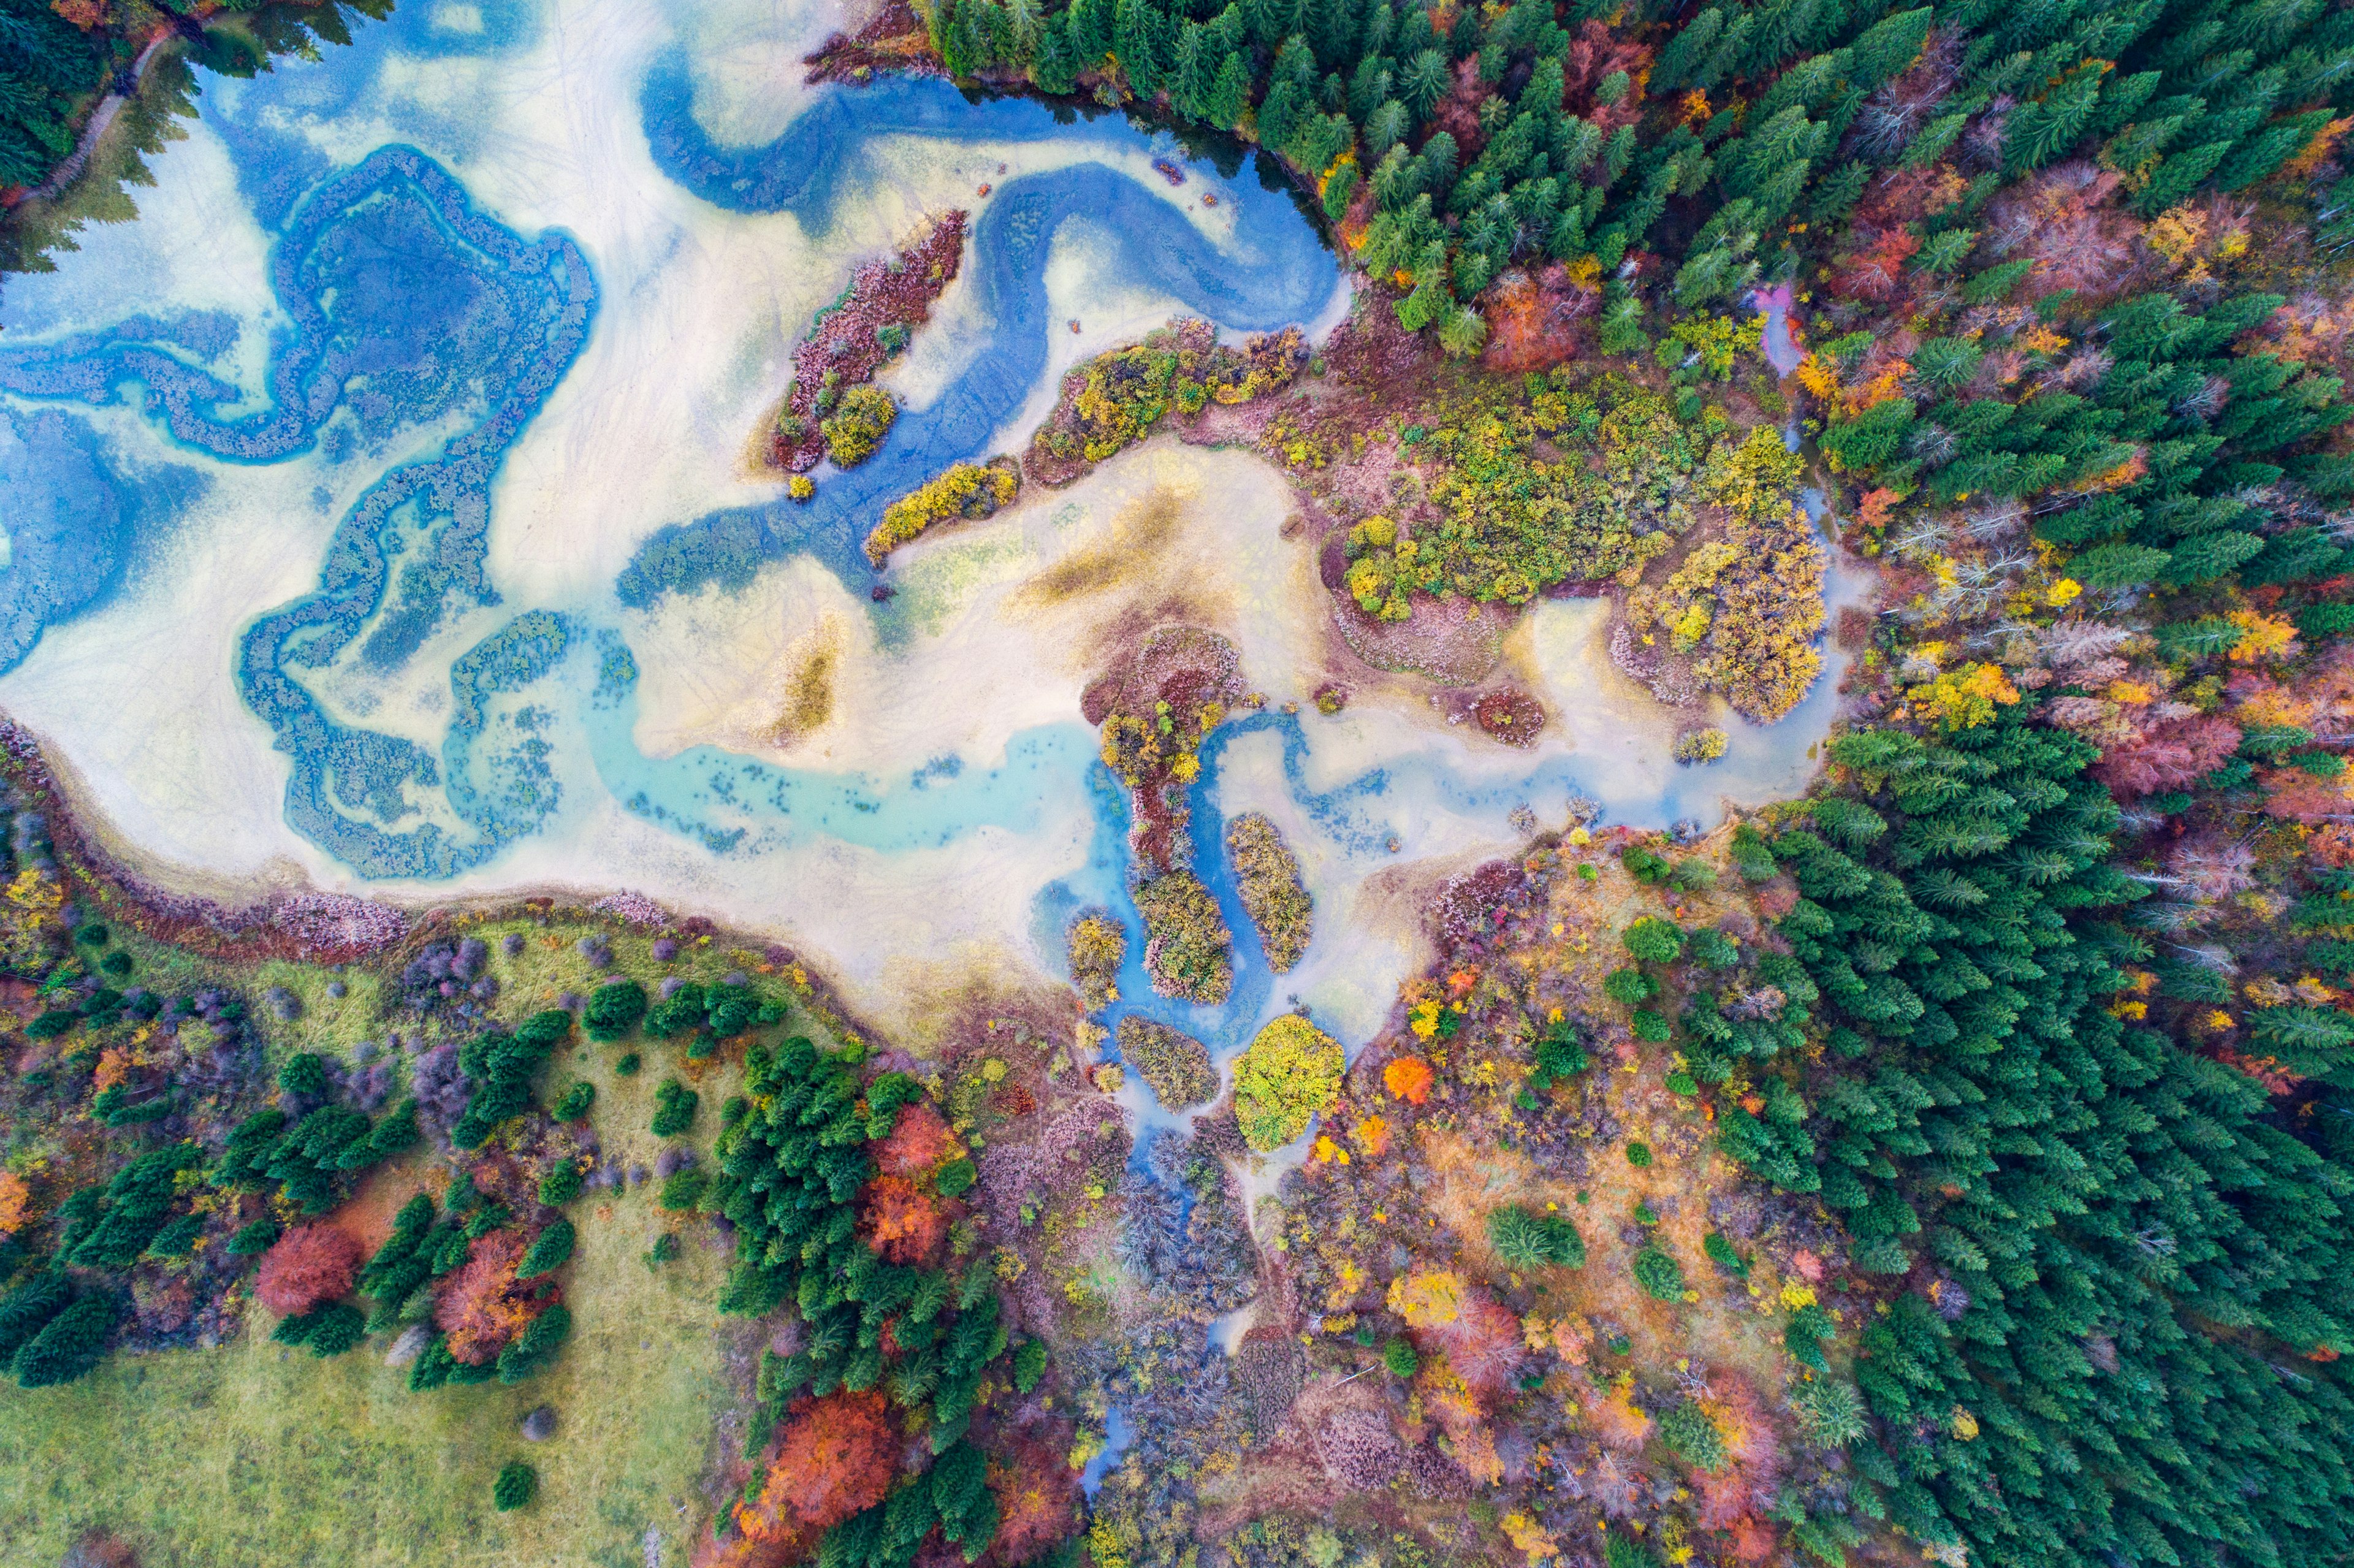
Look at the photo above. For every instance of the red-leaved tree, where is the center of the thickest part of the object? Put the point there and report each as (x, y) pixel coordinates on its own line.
(834, 1458)
(1035, 1489)
(902, 1221)
(484, 1306)
(2168, 754)
(919, 1143)
(309, 1266)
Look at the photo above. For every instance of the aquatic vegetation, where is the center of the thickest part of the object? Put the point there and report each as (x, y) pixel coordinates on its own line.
(1266, 877)
(1188, 950)
(970, 491)
(1174, 1064)
(1706, 744)
(1098, 946)
(1284, 1079)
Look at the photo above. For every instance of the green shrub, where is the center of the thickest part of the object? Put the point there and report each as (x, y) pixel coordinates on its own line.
(1643, 866)
(549, 1250)
(334, 1329)
(1694, 875)
(576, 1101)
(628, 1067)
(684, 1189)
(561, 1184)
(1720, 1252)
(1711, 949)
(1399, 1357)
(1650, 1026)
(254, 1239)
(674, 1106)
(1629, 985)
(1029, 1364)
(956, 1176)
(516, 1485)
(1639, 1155)
(614, 1008)
(304, 1072)
(1686, 1429)
(1527, 1240)
(1661, 1278)
(68, 1345)
(1654, 940)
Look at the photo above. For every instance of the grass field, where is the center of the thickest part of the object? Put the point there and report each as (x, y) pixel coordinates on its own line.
(254, 1455)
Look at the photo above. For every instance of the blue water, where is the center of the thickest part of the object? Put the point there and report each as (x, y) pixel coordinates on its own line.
(408, 316)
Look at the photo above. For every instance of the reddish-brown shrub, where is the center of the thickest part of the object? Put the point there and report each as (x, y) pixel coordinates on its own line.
(919, 1143)
(484, 1306)
(902, 1222)
(2168, 754)
(835, 1457)
(1034, 1489)
(1483, 1343)
(309, 1266)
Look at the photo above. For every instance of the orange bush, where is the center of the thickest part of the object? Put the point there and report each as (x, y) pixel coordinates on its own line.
(484, 1306)
(308, 1265)
(1033, 1487)
(15, 1198)
(1408, 1078)
(902, 1222)
(835, 1457)
(918, 1144)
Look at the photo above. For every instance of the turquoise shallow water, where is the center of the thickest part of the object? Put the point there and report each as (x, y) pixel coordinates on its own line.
(403, 309)
(398, 336)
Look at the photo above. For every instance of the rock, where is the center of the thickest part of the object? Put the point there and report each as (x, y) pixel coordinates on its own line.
(540, 1424)
(409, 1345)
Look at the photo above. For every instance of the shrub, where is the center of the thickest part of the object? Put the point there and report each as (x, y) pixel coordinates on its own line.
(549, 1250)
(1686, 1429)
(628, 1067)
(68, 1345)
(1639, 1155)
(1029, 1364)
(255, 1237)
(858, 424)
(1643, 866)
(1694, 875)
(1711, 949)
(1704, 745)
(956, 1176)
(308, 1265)
(560, 1185)
(517, 1484)
(614, 1008)
(1650, 1026)
(1288, 1075)
(1720, 1252)
(304, 1072)
(1654, 940)
(1399, 1357)
(1661, 1278)
(1267, 880)
(576, 1101)
(1829, 1410)
(674, 1106)
(334, 1328)
(1175, 1064)
(1527, 1240)
(968, 490)
(1629, 985)
(684, 1189)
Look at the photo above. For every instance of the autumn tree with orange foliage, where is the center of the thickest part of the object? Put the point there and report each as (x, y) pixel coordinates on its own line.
(484, 1306)
(1407, 1078)
(309, 1266)
(919, 1143)
(16, 1199)
(836, 1456)
(902, 1221)
(1034, 1486)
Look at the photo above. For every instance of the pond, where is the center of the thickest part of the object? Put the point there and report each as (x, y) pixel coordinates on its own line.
(383, 520)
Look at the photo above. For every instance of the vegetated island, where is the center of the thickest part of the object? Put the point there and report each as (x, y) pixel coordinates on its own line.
(1266, 874)
(831, 409)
